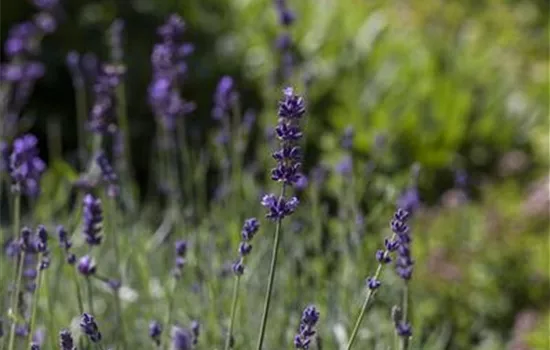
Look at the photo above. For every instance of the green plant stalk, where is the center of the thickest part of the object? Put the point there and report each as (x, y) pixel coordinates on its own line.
(51, 326)
(115, 238)
(18, 270)
(370, 295)
(236, 161)
(272, 269)
(170, 305)
(233, 311)
(36, 298)
(405, 340)
(90, 295)
(187, 172)
(79, 301)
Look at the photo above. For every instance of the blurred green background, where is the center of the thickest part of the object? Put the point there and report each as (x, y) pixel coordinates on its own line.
(448, 84)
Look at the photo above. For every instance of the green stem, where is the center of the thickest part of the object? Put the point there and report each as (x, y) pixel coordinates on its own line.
(50, 308)
(272, 269)
(170, 304)
(18, 270)
(233, 311)
(115, 238)
(90, 296)
(36, 297)
(370, 295)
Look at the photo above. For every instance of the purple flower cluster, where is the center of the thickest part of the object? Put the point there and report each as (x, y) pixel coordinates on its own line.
(224, 98)
(169, 68)
(284, 42)
(37, 254)
(66, 244)
(310, 317)
(26, 167)
(249, 230)
(288, 169)
(182, 338)
(181, 251)
(404, 262)
(89, 327)
(93, 219)
(102, 119)
(66, 340)
(108, 174)
(155, 331)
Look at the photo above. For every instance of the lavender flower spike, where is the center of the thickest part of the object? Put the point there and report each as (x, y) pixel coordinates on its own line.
(25, 165)
(182, 339)
(90, 328)
(310, 316)
(93, 219)
(66, 340)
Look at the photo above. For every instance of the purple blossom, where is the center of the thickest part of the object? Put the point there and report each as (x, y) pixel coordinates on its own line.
(66, 340)
(86, 266)
(25, 164)
(155, 331)
(347, 138)
(182, 338)
(409, 200)
(89, 327)
(249, 230)
(306, 331)
(93, 220)
(102, 117)
(224, 98)
(345, 166)
(279, 208)
(108, 174)
(169, 69)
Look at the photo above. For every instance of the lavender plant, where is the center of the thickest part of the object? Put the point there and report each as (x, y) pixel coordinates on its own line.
(287, 172)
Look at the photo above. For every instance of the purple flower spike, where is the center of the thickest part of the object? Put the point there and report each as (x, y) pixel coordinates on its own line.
(66, 340)
(93, 219)
(25, 165)
(89, 327)
(155, 331)
(182, 338)
(310, 317)
(224, 98)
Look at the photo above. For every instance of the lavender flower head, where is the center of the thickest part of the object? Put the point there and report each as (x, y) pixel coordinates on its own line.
(310, 317)
(89, 327)
(249, 230)
(169, 69)
(409, 200)
(26, 167)
(108, 174)
(182, 339)
(155, 331)
(93, 219)
(404, 263)
(102, 118)
(86, 266)
(66, 340)
(347, 138)
(224, 98)
(181, 251)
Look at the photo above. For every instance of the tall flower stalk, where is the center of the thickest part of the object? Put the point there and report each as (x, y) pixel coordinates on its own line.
(250, 228)
(398, 226)
(287, 172)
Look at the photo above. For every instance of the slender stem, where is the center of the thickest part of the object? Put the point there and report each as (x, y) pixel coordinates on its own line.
(90, 295)
(50, 307)
(18, 270)
(170, 303)
(272, 269)
(115, 238)
(233, 311)
(36, 297)
(405, 339)
(80, 303)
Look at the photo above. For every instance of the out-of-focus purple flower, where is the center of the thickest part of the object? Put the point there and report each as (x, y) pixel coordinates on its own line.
(108, 174)
(45, 4)
(347, 138)
(182, 338)
(403, 329)
(306, 331)
(286, 16)
(66, 340)
(93, 219)
(155, 331)
(319, 174)
(25, 165)
(461, 178)
(301, 183)
(248, 120)
(409, 200)
(89, 327)
(102, 118)
(22, 39)
(345, 166)
(224, 98)
(180, 248)
(86, 266)
(90, 66)
(169, 69)
(45, 22)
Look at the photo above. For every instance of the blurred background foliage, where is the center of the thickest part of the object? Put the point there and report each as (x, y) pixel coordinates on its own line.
(445, 84)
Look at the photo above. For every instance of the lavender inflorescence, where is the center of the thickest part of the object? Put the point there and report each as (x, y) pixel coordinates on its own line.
(26, 167)
(249, 230)
(169, 69)
(306, 331)
(108, 173)
(66, 244)
(66, 341)
(89, 327)
(288, 169)
(93, 220)
(155, 331)
(102, 118)
(182, 338)
(181, 252)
